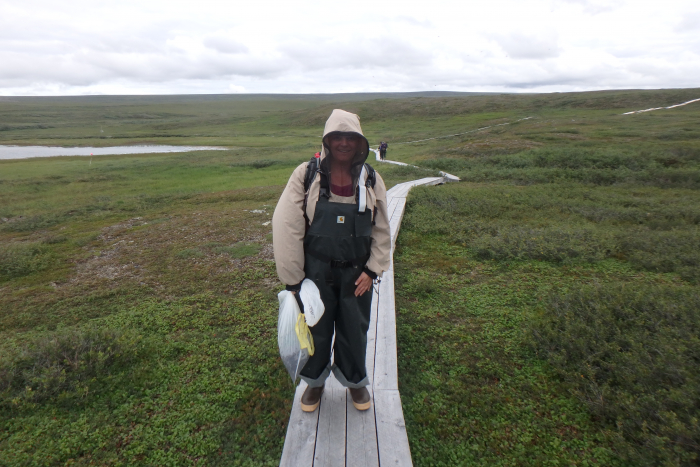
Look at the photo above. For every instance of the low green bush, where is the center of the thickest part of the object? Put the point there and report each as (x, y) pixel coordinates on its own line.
(64, 365)
(556, 245)
(583, 158)
(20, 259)
(631, 353)
(674, 167)
(562, 226)
(664, 251)
(31, 223)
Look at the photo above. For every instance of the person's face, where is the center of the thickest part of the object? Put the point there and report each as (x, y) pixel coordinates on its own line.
(343, 147)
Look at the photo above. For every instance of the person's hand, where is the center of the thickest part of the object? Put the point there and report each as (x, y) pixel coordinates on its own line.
(363, 283)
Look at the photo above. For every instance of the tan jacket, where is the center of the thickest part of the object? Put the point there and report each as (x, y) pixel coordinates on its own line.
(288, 224)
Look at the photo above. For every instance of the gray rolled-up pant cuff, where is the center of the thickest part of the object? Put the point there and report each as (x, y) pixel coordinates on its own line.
(342, 380)
(320, 381)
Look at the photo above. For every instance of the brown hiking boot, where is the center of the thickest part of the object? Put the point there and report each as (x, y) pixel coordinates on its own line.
(311, 398)
(360, 398)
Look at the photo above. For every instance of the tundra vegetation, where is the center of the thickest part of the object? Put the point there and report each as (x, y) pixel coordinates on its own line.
(547, 305)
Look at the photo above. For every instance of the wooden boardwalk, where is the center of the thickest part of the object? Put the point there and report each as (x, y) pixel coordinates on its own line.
(337, 434)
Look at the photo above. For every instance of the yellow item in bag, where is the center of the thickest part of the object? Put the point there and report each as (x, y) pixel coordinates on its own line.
(306, 340)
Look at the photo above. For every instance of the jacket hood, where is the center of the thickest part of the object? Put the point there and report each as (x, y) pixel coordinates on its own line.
(345, 122)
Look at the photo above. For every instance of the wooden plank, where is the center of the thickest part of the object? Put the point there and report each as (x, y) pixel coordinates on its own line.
(402, 190)
(398, 191)
(392, 438)
(372, 335)
(449, 178)
(362, 449)
(398, 215)
(330, 436)
(300, 442)
(361, 432)
(385, 369)
(391, 208)
(428, 181)
(395, 224)
(390, 193)
(393, 190)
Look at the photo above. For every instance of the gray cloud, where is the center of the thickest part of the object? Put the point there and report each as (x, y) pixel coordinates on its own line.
(225, 45)
(94, 66)
(529, 46)
(383, 52)
(690, 22)
(158, 47)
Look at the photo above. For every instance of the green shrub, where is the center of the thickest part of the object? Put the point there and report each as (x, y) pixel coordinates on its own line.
(63, 364)
(556, 245)
(31, 223)
(632, 355)
(664, 251)
(17, 260)
(662, 167)
(580, 158)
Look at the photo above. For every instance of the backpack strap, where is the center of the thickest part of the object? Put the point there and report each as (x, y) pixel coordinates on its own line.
(371, 181)
(313, 168)
(368, 178)
(371, 176)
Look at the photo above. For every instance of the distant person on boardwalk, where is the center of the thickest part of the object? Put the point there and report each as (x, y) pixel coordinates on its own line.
(382, 150)
(331, 226)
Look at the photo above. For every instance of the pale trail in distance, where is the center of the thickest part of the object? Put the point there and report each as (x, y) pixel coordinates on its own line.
(661, 108)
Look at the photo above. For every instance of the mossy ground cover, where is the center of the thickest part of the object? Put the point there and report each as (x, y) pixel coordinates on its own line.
(549, 324)
(121, 349)
(138, 293)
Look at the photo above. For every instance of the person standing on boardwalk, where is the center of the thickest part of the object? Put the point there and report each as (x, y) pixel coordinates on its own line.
(335, 231)
(382, 150)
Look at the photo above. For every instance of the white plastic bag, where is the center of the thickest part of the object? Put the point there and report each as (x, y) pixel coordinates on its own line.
(293, 335)
(313, 305)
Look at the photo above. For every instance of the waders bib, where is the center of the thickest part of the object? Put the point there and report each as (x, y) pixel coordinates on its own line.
(336, 248)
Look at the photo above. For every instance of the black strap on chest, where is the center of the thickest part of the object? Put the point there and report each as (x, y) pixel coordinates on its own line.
(311, 168)
(314, 167)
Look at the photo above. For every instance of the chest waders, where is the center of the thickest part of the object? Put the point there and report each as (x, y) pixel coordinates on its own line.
(336, 248)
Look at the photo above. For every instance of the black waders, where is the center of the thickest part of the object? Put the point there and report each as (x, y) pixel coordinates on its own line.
(336, 248)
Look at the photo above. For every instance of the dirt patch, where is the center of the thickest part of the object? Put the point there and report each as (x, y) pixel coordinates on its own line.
(158, 252)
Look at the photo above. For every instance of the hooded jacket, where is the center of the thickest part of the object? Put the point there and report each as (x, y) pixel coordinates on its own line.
(289, 225)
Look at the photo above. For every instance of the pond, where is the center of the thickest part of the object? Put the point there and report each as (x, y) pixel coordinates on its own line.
(25, 152)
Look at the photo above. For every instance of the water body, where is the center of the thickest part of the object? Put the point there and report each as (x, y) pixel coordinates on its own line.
(25, 152)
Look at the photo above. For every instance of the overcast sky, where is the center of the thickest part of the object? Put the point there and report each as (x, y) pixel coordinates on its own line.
(70, 47)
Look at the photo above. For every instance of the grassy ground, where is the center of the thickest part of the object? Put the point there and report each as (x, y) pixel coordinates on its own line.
(137, 293)
(495, 279)
(548, 307)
